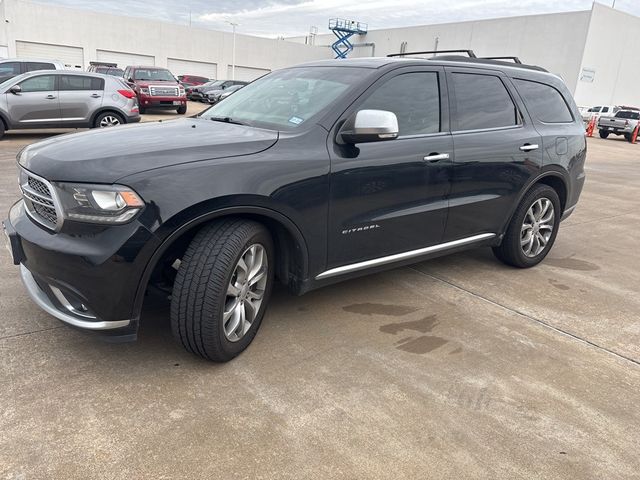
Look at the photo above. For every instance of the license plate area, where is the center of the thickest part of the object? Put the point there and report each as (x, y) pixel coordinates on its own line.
(177, 102)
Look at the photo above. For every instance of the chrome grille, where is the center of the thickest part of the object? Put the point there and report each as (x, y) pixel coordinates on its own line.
(40, 200)
(160, 91)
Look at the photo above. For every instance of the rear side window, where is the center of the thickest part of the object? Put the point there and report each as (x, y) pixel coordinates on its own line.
(31, 66)
(414, 98)
(605, 109)
(545, 102)
(482, 101)
(76, 82)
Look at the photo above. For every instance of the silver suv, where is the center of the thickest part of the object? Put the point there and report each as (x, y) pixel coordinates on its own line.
(66, 99)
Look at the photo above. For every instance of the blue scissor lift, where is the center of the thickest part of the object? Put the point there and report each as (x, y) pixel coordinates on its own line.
(345, 29)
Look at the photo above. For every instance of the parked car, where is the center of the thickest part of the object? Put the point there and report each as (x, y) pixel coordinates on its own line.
(65, 99)
(622, 123)
(215, 96)
(198, 93)
(12, 67)
(156, 88)
(600, 111)
(350, 171)
(192, 80)
(105, 68)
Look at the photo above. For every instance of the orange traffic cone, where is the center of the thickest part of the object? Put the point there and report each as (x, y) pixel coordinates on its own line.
(634, 135)
(591, 126)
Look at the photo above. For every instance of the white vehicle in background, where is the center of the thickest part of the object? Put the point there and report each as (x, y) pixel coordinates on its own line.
(12, 67)
(622, 123)
(600, 111)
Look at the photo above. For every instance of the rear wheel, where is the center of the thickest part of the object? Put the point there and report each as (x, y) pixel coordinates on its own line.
(2, 129)
(627, 137)
(532, 230)
(182, 109)
(142, 110)
(603, 134)
(108, 119)
(222, 288)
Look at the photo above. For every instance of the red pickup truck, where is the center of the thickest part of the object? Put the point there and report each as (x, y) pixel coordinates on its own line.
(156, 87)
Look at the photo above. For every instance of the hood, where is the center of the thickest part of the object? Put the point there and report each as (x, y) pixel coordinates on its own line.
(146, 83)
(209, 89)
(106, 155)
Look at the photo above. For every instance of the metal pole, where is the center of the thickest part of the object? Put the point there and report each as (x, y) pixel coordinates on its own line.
(233, 51)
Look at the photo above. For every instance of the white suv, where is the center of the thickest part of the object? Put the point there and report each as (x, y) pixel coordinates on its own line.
(11, 67)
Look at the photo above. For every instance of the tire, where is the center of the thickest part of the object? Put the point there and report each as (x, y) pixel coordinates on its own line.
(603, 134)
(2, 129)
(182, 109)
(627, 137)
(512, 251)
(202, 317)
(142, 110)
(108, 119)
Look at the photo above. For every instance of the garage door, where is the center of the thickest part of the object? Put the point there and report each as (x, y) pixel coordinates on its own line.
(247, 74)
(72, 57)
(189, 67)
(124, 59)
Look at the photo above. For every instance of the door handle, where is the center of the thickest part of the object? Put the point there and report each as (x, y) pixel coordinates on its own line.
(95, 95)
(436, 157)
(527, 147)
(50, 97)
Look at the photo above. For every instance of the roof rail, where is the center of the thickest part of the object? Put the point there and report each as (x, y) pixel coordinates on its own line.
(514, 59)
(434, 52)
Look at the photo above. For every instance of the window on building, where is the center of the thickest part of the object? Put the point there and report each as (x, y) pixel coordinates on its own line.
(545, 102)
(482, 101)
(414, 98)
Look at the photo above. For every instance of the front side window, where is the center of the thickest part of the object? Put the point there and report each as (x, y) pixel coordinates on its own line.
(545, 102)
(482, 101)
(42, 83)
(153, 74)
(76, 82)
(414, 98)
(288, 99)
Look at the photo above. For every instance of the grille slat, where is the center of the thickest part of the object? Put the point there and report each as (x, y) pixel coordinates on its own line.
(41, 205)
(159, 91)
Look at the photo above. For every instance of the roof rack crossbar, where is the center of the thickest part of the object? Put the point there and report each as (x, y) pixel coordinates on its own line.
(427, 52)
(514, 59)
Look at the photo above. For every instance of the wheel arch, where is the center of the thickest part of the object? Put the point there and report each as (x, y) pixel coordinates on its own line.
(102, 110)
(291, 248)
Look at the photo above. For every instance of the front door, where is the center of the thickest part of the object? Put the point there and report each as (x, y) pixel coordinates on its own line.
(390, 197)
(497, 152)
(80, 97)
(36, 104)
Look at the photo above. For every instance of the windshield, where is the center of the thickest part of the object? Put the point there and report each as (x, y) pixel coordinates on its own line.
(287, 99)
(627, 114)
(153, 74)
(214, 83)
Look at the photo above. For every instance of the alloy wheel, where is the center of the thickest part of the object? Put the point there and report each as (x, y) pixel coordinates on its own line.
(537, 227)
(245, 292)
(109, 121)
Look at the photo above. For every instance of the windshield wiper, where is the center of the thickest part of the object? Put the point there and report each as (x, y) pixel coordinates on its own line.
(227, 120)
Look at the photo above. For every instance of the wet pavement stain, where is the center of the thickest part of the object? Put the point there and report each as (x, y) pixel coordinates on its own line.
(423, 325)
(423, 344)
(558, 285)
(571, 263)
(379, 309)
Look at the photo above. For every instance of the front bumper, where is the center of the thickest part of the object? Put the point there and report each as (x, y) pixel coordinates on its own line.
(147, 101)
(89, 281)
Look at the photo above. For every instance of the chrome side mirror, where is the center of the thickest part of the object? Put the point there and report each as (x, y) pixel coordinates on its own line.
(370, 126)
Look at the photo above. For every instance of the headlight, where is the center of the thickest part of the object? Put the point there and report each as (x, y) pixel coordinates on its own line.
(181, 91)
(144, 91)
(108, 204)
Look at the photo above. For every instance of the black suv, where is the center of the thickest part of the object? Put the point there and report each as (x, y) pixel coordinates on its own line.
(309, 175)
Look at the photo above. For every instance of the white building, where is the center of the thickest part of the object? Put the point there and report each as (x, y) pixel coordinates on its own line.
(596, 52)
(77, 37)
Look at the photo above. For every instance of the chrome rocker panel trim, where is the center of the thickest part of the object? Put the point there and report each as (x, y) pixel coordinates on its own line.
(41, 299)
(376, 262)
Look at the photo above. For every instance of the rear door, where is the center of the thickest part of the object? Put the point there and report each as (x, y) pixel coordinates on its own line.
(80, 97)
(497, 151)
(37, 103)
(391, 197)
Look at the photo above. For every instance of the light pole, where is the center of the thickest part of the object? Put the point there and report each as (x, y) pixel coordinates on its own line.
(233, 50)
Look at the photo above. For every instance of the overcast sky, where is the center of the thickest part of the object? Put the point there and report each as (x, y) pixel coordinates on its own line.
(275, 18)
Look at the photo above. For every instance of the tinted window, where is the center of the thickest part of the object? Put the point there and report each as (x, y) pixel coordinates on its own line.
(545, 102)
(605, 109)
(42, 83)
(414, 98)
(31, 66)
(482, 101)
(627, 114)
(75, 82)
(9, 68)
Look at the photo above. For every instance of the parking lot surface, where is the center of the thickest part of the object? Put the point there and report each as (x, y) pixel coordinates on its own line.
(459, 367)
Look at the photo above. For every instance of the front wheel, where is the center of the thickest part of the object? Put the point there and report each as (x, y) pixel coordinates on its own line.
(532, 230)
(182, 109)
(222, 288)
